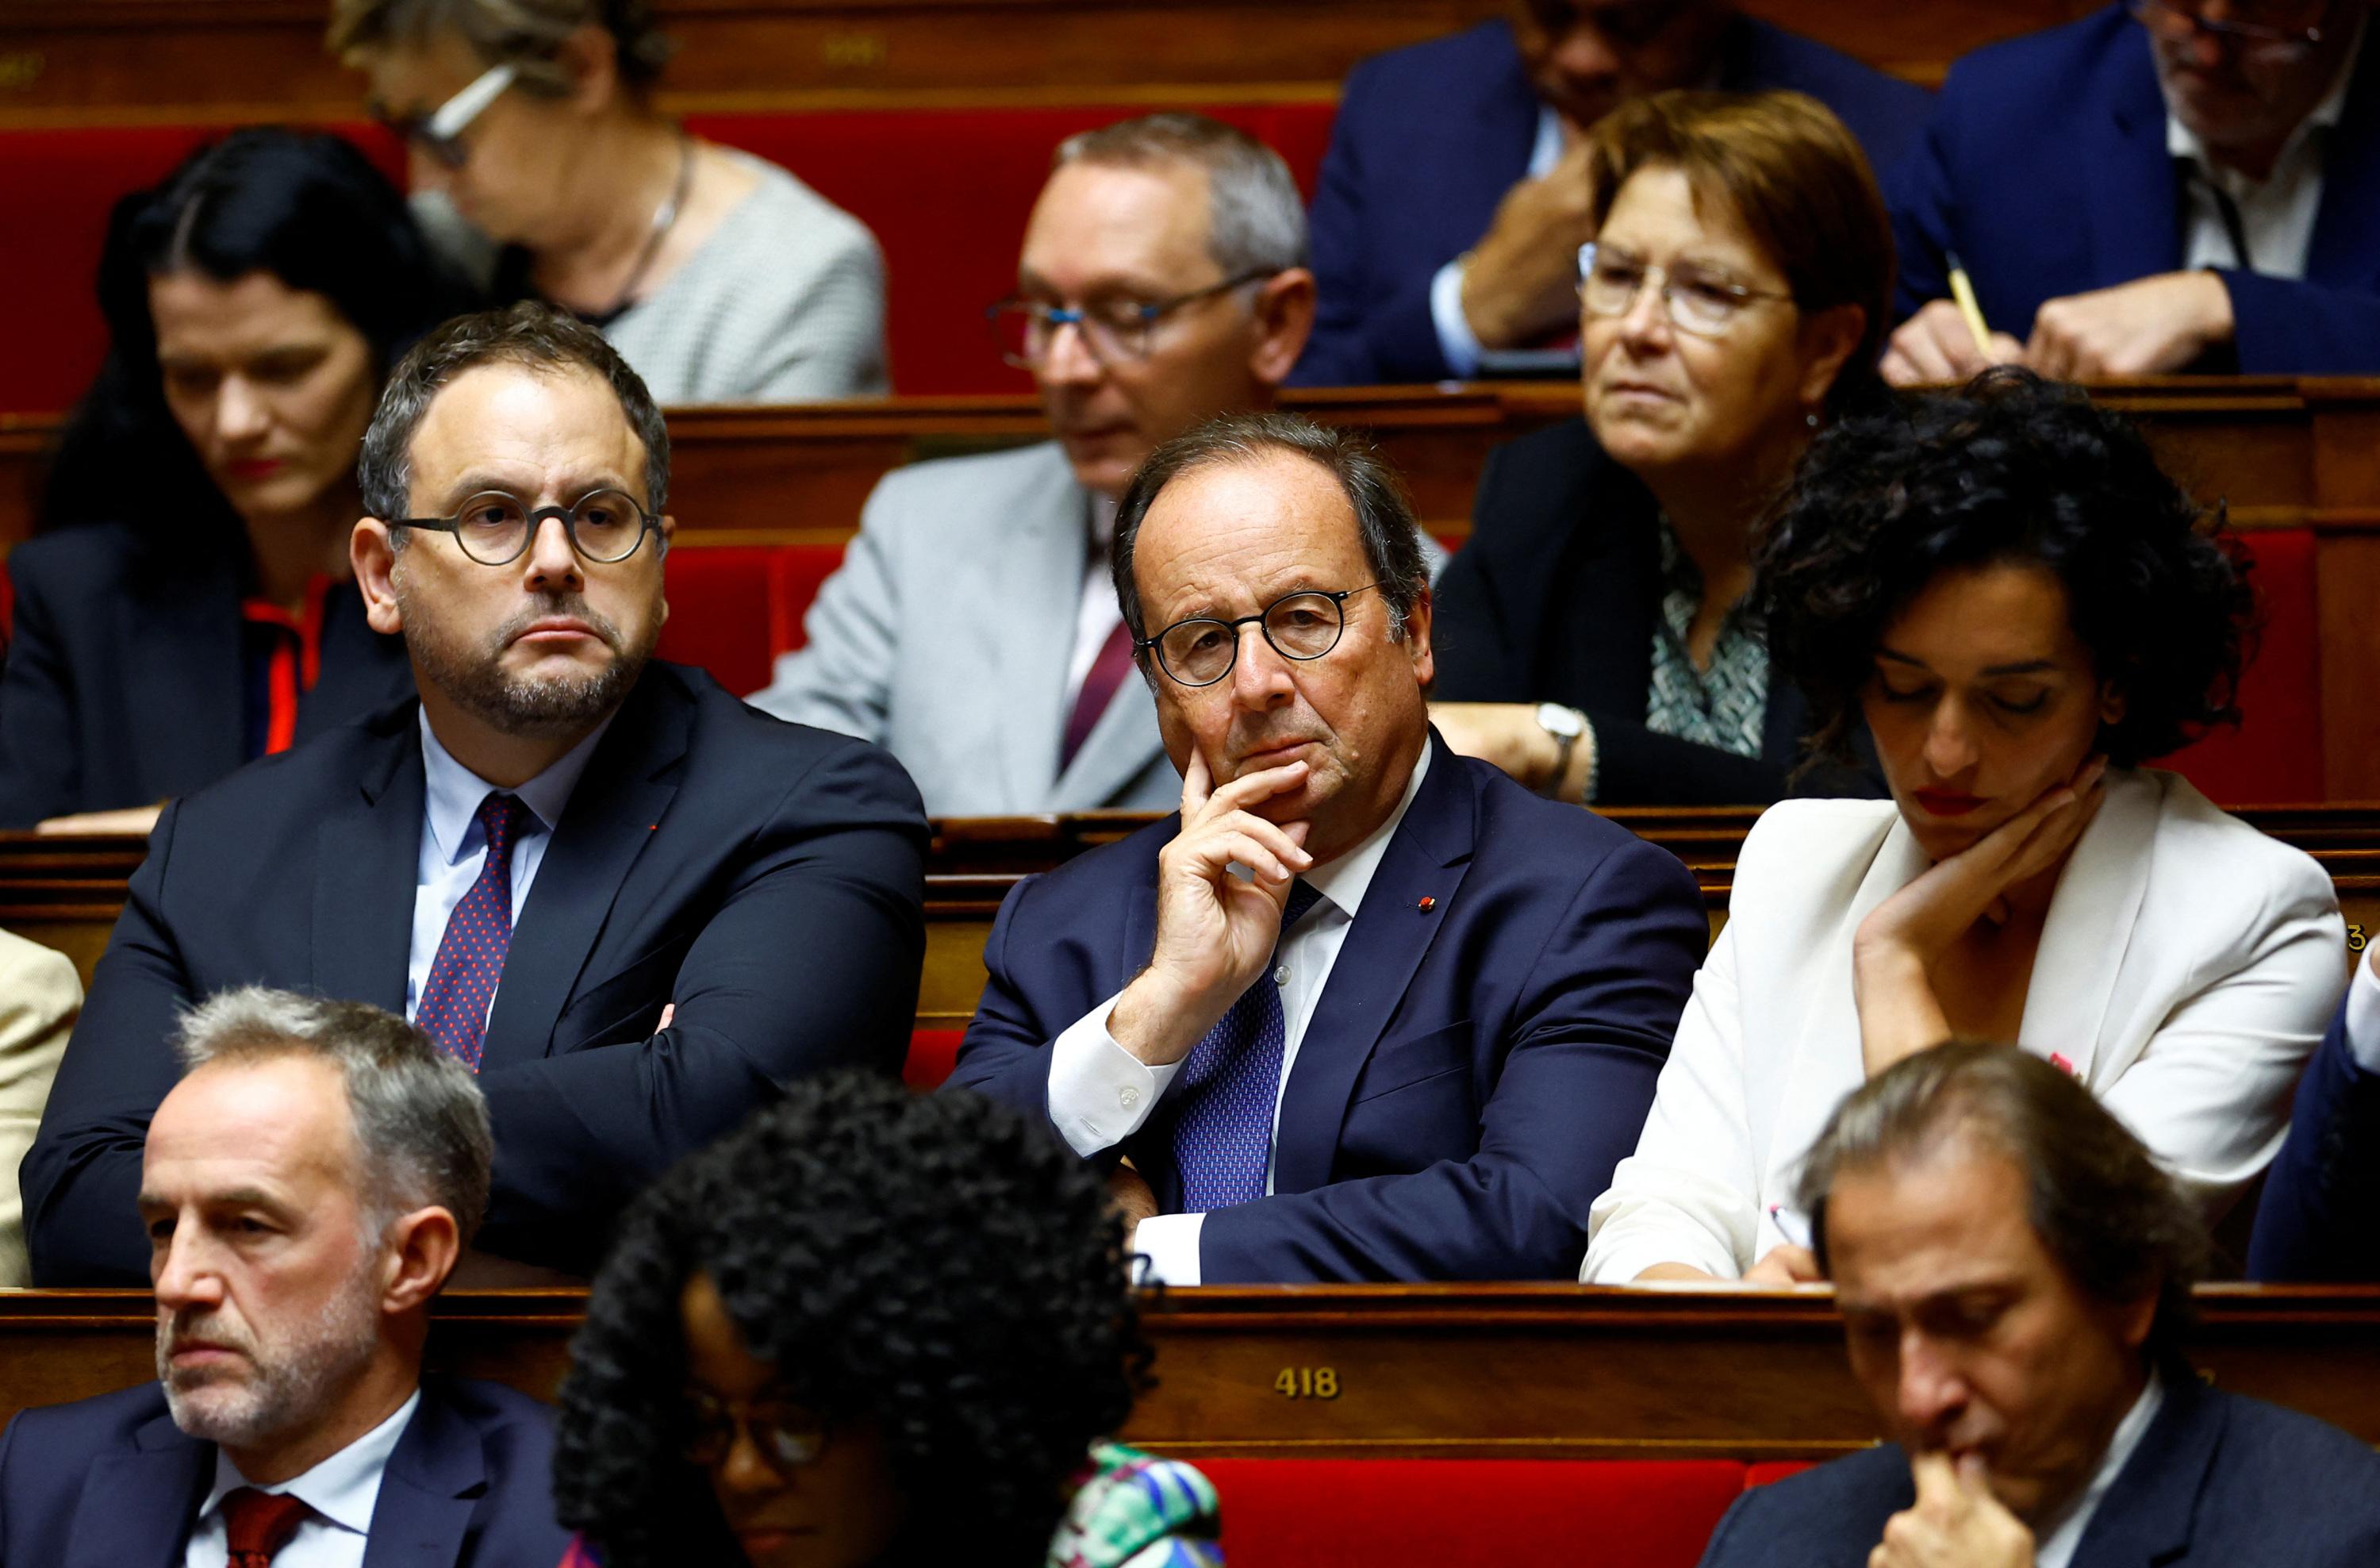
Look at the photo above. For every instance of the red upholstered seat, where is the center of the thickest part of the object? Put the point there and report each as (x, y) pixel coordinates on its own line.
(1470, 1513)
(933, 1054)
(1770, 1470)
(719, 614)
(795, 572)
(2276, 755)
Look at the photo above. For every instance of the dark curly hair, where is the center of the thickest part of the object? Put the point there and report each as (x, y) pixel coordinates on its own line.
(932, 1265)
(2009, 468)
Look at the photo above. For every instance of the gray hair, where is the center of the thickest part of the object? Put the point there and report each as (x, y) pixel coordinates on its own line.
(1255, 220)
(1384, 518)
(527, 34)
(2096, 1198)
(421, 1127)
(532, 335)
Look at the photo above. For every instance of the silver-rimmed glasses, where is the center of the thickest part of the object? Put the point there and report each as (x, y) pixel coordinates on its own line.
(494, 526)
(1202, 650)
(1113, 331)
(1704, 303)
(2273, 26)
(439, 133)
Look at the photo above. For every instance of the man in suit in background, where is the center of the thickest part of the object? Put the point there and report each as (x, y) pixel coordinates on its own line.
(970, 628)
(1454, 196)
(307, 1188)
(632, 905)
(2191, 189)
(2014, 1270)
(2320, 1215)
(1414, 1043)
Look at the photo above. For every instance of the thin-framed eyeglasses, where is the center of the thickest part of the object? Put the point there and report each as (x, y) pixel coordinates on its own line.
(439, 133)
(1113, 331)
(784, 1437)
(494, 526)
(1300, 626)
(1702, 303)
(2286, 27)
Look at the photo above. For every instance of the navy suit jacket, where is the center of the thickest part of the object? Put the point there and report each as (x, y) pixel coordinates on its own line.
(2218, 1481)
(765, 877)
(1472, 1071)
(2320, 1216)
(1430, 137)
(110, 1482)
(2045, 169)
(125, 684)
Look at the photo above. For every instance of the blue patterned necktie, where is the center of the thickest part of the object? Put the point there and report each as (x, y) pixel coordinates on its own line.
(1230, 1083)
(463, 978)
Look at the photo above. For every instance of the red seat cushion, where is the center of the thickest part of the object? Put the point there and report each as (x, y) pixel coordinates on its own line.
(1770, 1470)
(1470, 1512)
(2275, 754)
(719, 614)
(933, 1054)
(795, 572)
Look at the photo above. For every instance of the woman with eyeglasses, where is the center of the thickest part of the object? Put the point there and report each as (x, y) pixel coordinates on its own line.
(187, 604)
(540, 164)
(1592, 636)
(868, 1328)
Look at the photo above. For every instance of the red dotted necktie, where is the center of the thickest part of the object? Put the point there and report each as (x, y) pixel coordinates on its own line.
(453, 1009)
(259, 1523)
(1098, 689)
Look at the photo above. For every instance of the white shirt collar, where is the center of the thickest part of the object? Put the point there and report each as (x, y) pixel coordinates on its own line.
(343, 1488)
(1343, 881)
(454, 792)
(2181, 141)
(2058, 1546)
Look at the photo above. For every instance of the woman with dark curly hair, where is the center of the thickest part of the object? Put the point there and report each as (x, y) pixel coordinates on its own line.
(2024, 609)
(868, 1328)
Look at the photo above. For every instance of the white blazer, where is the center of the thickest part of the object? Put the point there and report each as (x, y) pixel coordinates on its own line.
(2188, 968)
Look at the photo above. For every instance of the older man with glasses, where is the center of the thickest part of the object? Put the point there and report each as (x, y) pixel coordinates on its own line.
(1365, 1009)
(971, 629)
(2166, 185)
(631, 906)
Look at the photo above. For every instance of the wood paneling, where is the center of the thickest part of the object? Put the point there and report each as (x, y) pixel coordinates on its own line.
(1447, 1371)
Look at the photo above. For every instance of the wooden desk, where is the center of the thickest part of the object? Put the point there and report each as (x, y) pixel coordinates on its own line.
(1450, 1371)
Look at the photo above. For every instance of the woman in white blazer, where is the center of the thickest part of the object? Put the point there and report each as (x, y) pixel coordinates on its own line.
(2023, 607)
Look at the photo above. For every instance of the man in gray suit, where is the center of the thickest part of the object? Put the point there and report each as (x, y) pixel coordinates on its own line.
(2014, 1270)
(972, 629)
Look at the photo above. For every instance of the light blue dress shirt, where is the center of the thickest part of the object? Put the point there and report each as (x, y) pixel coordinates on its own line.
(1464, 357)
(342, 1490)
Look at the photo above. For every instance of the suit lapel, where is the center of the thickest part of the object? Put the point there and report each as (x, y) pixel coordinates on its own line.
(2345, 246)
(1038, 580)
(2146, 1516)
(136, 1509)
(367, 860)
(1426, 858)
(2093, 915)
(614, 813)
(2135, 209)
(433, 1480)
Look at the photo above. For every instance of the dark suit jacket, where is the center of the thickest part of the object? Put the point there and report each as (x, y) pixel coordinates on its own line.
(124, 686)
(1472, 1073)
(2045, 169)
(764, 877)
(2320, 1217)
(2218, 1481)
(1430, 137)
(110, 1482)
(1554, 599)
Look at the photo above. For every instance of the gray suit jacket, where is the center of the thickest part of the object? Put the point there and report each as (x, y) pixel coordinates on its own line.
(944, 637)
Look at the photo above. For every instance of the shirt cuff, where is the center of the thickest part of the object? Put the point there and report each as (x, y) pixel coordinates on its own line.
(1455, 344)
(1170, 1243)
(2363, 1016)
(1100, 1093)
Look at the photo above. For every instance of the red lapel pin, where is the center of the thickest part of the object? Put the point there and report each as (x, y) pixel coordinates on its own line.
(1426, 905)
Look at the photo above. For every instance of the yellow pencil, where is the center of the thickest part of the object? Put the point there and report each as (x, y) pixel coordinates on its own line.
(1962, 290)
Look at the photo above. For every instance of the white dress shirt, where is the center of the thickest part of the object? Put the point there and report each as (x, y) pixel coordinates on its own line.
(1097, 613)
(1464, 357)
(2057, 1548)
(1100, 1094)
(2363, 1016)
(454, 849)
(2277, 214)
(342, 1490)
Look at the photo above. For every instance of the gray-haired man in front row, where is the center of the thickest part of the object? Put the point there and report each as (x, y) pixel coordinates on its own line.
(2013, 1272)
(308, 1186)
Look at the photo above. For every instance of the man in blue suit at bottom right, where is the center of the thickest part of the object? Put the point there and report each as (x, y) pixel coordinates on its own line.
(2014, 1270)
(1415, 1042)
(308, 1186)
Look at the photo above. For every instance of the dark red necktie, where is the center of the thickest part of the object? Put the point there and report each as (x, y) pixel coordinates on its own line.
(453, 1009)
(259, 1523)
(1099, 689)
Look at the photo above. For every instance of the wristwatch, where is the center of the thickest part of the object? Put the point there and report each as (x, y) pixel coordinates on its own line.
(1565, 725)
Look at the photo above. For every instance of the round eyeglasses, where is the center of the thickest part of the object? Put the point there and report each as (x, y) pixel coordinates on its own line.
(1202, 650)
(1696, 302)
(786, 1438)
(1115, 332)
(494, 528)
(2283, 27)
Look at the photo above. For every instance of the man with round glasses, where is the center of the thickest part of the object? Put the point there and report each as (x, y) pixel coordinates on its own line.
(1365, 1009)
(632, 905)
(971, 629)
(2164, 186)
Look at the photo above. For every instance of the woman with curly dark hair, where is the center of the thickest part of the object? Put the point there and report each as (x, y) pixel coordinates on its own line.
(2024, 609)
(868, 1328)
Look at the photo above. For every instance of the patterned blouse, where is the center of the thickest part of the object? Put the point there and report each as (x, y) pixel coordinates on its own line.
(1725, 704)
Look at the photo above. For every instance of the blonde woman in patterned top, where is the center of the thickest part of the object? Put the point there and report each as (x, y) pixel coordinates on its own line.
(542, 168)
(1592, 636)
(869, 1328)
